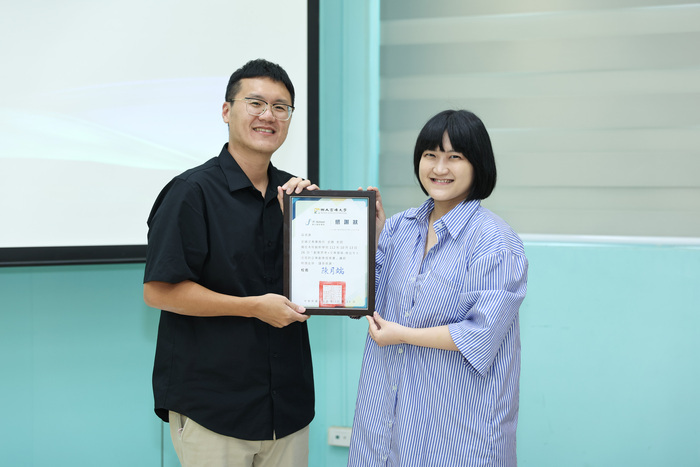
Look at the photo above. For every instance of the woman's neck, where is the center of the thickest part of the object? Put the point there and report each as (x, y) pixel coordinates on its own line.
(440, 209)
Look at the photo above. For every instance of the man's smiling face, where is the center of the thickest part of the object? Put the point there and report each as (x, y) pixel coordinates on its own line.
(262, 134)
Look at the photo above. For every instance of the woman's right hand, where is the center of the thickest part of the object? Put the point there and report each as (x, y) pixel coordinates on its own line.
(381, 216)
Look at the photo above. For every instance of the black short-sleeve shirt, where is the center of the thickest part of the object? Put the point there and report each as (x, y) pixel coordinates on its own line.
(236, 376)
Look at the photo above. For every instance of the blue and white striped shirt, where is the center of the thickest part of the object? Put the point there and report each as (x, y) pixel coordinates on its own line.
(419, 406)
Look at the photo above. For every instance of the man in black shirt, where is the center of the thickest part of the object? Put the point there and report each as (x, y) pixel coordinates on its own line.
(232, 371)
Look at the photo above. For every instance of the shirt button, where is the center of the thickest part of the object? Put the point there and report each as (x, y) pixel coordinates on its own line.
(400, 350)
(274, 392)
(269, 243)
(393, 388)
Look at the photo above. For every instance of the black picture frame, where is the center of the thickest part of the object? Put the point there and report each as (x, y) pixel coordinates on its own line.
(330, 235)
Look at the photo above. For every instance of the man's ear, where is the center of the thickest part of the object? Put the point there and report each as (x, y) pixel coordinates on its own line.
(225, 111)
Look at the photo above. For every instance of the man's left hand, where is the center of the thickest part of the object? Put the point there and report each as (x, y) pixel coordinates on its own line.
(294, 185)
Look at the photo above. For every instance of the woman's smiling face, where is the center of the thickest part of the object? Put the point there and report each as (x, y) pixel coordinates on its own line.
(446, 175)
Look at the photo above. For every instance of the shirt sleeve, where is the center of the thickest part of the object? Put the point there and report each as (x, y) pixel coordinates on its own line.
(496, 287)
(177, 235)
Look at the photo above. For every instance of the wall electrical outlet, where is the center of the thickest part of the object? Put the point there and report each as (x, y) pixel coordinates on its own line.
(339, 435)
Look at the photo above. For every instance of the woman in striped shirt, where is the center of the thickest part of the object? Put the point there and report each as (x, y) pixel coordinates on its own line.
(440, 375)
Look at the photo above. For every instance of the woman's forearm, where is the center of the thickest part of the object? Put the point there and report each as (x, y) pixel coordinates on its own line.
(438, 337)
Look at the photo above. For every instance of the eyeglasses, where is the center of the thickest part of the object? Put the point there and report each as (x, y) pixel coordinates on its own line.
(257, 107)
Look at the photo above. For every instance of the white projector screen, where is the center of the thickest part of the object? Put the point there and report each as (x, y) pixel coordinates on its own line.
(102, 103)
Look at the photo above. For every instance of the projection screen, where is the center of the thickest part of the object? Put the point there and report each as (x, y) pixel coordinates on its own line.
(102, 103)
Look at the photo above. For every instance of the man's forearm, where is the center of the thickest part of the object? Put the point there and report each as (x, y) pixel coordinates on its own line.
(192, 299)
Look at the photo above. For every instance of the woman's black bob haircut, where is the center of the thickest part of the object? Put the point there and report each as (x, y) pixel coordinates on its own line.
(468, 136)
(259, 68)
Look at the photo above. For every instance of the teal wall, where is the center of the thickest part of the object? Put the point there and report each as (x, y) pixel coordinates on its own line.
(349, 94)
(349, 148)
(76, 352)
(610, 373)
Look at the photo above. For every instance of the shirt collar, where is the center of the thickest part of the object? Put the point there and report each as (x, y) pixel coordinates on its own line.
(454, 221)
(236, 178)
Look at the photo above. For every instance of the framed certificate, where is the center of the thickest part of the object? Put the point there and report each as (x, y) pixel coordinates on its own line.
(329, 251)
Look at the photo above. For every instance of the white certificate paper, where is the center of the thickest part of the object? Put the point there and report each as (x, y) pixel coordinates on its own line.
(330, 251)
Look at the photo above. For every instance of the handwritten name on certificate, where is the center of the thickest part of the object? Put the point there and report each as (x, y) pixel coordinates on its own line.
(329, 265)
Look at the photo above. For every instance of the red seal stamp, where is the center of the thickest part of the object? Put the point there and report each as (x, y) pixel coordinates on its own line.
(331, 294)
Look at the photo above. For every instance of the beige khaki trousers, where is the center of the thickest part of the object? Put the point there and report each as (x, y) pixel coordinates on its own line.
(198, 447)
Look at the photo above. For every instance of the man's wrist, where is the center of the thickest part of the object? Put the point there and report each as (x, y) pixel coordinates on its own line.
(245, 307)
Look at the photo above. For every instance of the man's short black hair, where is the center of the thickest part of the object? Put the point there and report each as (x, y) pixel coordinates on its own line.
(468, 136)
(259, 68)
